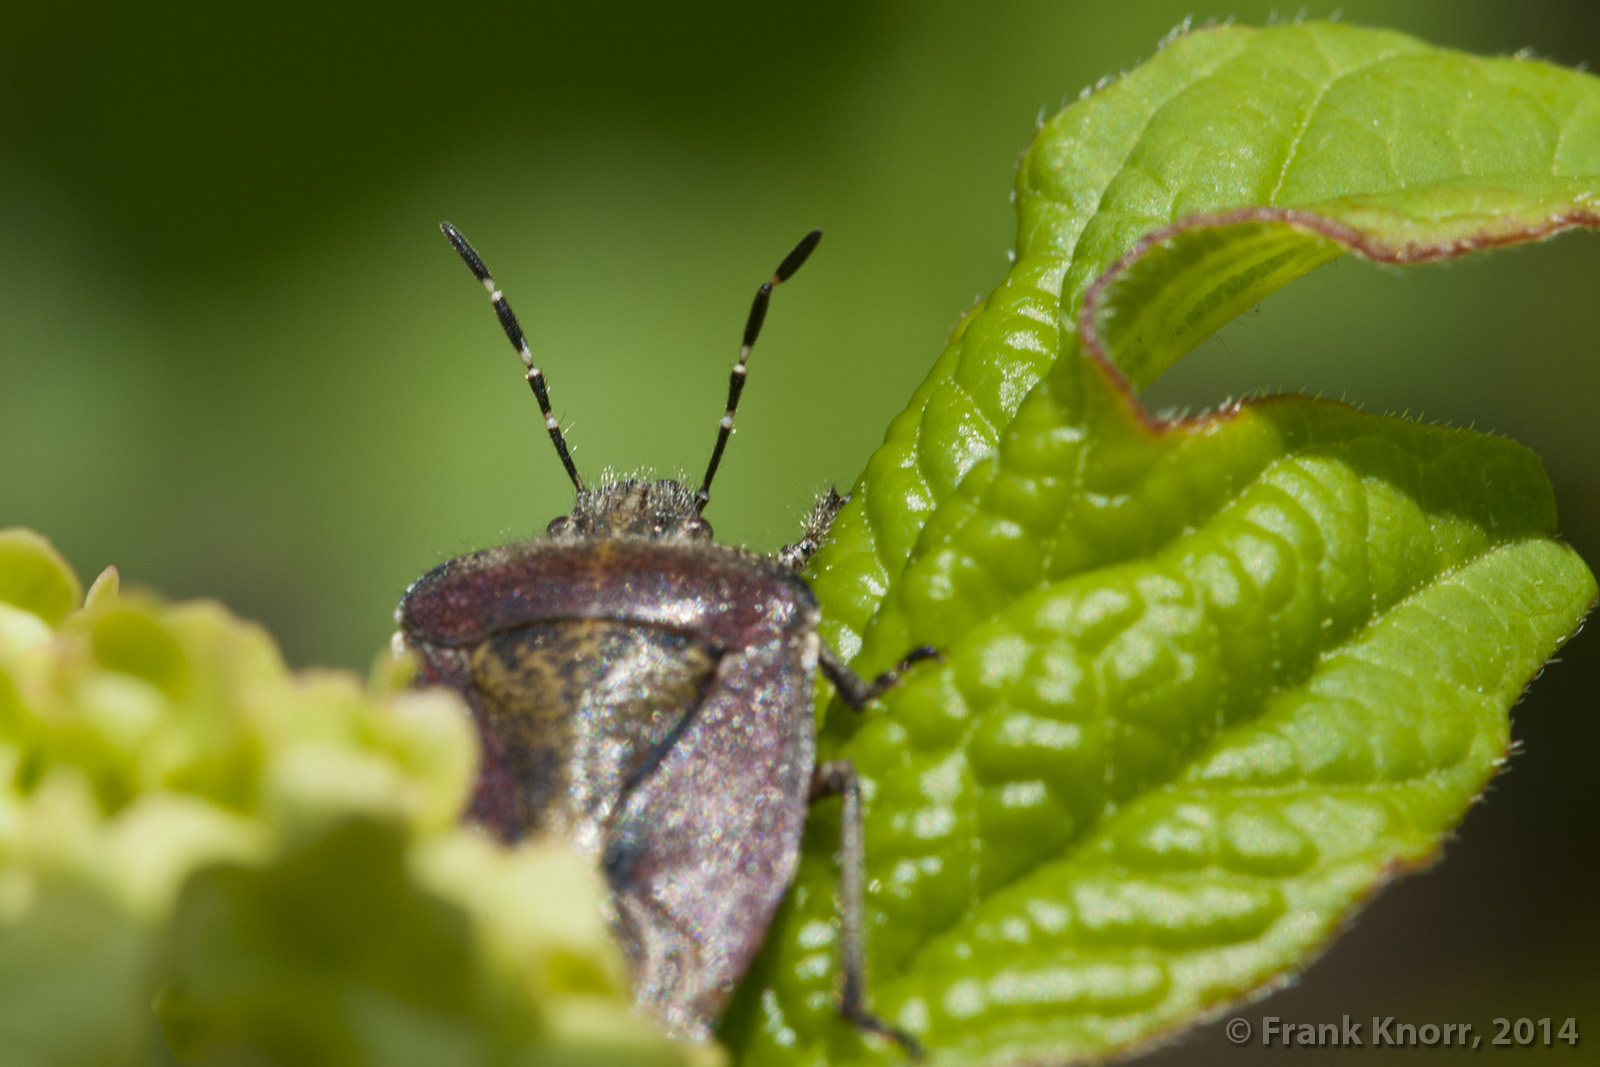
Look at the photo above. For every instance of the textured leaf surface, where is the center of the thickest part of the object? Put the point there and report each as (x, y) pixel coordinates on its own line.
(1208, 683)
(1329, 136)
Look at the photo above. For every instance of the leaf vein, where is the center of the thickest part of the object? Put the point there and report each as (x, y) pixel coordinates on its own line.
(1311, 113)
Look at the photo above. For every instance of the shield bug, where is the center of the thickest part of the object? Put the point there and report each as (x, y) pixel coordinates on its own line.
(646, 693)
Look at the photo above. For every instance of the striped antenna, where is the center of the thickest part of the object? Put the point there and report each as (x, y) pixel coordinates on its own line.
(752, 330)
(508, 322)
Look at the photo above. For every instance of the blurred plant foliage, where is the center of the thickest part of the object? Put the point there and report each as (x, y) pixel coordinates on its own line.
(1208, 683)
(271, 859)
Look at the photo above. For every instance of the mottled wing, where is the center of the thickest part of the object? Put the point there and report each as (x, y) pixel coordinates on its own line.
(571, 711)
(706, 844)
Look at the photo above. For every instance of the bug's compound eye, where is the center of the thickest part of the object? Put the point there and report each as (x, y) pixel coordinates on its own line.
(560, 526)
(697, 530)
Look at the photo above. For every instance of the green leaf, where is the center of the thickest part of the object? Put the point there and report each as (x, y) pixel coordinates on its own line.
(1207, 683)
(1311, 139)
(335, 954)
(72, 969)
(35, 578)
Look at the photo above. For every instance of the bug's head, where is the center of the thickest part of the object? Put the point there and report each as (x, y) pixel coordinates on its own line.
(660, 510)
(629, 507)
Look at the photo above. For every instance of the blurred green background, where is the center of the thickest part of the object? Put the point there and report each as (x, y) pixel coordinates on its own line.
(238, 360)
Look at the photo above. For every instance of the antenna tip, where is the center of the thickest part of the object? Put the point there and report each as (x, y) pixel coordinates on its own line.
(468, 254)
(793, 260)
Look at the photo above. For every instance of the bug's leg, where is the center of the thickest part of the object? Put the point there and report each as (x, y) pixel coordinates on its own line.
(855, 690)
(838, 778)
(815, 531)
(833, 777)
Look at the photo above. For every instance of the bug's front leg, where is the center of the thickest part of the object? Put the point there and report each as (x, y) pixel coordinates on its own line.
(815, 530)
(838, 778)
(855, 690)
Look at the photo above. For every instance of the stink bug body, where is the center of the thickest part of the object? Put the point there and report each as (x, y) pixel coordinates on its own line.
(646, 693)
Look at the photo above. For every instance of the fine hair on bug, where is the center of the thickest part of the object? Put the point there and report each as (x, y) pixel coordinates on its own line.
(646, 693)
